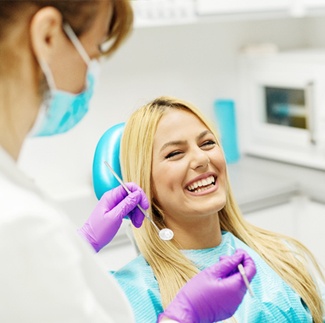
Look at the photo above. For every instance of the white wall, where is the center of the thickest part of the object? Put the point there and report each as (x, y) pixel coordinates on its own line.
(315, 27)
(194, 62)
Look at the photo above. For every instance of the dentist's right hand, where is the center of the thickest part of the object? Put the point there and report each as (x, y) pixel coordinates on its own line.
(214, 294)
(106, 219)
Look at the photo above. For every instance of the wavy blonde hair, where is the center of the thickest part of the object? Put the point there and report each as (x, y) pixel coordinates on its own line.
(171, 268)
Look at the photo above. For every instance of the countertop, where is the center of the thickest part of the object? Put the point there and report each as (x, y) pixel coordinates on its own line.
(258, 183)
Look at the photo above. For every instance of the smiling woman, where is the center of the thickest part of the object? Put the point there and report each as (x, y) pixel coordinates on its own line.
(170, 150)
(182, 163)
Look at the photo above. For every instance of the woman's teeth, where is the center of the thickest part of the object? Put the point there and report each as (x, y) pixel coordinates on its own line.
(202, 184)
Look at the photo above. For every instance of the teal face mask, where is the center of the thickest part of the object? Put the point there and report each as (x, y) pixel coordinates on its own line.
(61, 110)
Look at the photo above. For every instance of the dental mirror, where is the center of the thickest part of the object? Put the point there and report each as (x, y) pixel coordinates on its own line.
(164, 234)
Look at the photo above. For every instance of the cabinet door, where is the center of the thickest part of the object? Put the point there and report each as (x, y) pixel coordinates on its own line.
(311, 228)
(301, 219)
(278, 218)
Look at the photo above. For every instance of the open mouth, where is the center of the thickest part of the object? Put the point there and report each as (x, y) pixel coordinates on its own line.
(202, 185)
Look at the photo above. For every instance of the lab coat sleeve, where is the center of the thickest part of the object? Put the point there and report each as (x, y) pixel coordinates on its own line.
(49, 274)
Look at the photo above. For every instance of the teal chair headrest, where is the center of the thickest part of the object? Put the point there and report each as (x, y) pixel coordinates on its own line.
(107, 149)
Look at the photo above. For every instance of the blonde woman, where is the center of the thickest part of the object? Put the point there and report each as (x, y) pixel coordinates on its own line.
(170, 150)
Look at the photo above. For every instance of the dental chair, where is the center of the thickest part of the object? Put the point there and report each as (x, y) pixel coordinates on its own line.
(108, 149)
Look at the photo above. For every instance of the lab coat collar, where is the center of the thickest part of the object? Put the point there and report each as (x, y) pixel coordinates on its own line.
(9, 169)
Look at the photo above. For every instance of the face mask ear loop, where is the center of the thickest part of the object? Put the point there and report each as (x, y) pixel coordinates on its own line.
(76, 42)
(48, 74)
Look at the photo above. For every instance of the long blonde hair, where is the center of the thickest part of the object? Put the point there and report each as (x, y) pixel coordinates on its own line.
(171, 268)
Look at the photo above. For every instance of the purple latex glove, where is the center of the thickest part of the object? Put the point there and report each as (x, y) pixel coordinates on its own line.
(106, 219)
(214, 294)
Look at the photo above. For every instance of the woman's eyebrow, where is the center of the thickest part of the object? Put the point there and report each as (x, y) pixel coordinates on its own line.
(203, 133)
(183, 142)
(173, 143)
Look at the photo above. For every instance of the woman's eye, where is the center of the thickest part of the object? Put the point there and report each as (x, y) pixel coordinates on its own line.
(209, 143)
(173, 154)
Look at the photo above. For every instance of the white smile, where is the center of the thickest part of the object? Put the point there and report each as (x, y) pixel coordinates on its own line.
(202, 185)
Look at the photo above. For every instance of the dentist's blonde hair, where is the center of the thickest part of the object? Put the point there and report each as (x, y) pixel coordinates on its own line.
(287, 256)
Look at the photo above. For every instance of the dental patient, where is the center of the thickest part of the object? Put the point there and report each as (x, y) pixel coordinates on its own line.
(173, 153)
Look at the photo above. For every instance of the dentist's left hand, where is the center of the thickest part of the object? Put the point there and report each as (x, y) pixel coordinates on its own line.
(106, 219)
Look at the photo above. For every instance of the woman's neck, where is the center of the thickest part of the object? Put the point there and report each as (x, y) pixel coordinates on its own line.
(204, 233)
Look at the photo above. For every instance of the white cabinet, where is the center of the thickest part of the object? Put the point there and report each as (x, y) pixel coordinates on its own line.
(210, 7)
(311, 227)
(288, 7)
(173, 12)
(310, 7)
(313, 4)
(278, 218)
(301, 219)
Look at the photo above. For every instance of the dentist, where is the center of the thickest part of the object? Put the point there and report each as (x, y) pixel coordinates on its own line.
(48, 54)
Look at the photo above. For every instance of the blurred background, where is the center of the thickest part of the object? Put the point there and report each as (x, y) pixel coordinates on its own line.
(257, 65)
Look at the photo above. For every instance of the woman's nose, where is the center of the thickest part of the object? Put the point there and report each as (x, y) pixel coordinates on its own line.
(199, 158)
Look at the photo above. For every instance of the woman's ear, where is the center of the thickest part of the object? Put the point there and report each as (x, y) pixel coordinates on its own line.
(46, 32)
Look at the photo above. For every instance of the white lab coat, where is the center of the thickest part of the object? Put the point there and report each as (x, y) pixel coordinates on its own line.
(47, 272)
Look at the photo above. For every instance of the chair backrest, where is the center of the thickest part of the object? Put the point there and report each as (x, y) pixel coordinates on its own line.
(107, 149)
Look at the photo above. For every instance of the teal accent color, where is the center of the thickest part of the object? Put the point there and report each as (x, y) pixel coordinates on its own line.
(274, 300)
(225, 115)
(64, 110)
(107, 149)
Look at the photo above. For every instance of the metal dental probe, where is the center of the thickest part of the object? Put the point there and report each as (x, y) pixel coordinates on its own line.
(164, 234)
(243, 274)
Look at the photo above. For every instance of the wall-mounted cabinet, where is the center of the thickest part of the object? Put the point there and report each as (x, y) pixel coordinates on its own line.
(313, 3)
(212, 7)
(282, 96)
(288, 7)
(313, 7)
(172, 12)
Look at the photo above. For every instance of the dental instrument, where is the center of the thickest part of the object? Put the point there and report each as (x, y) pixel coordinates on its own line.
(164, 234)
(243, 274)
